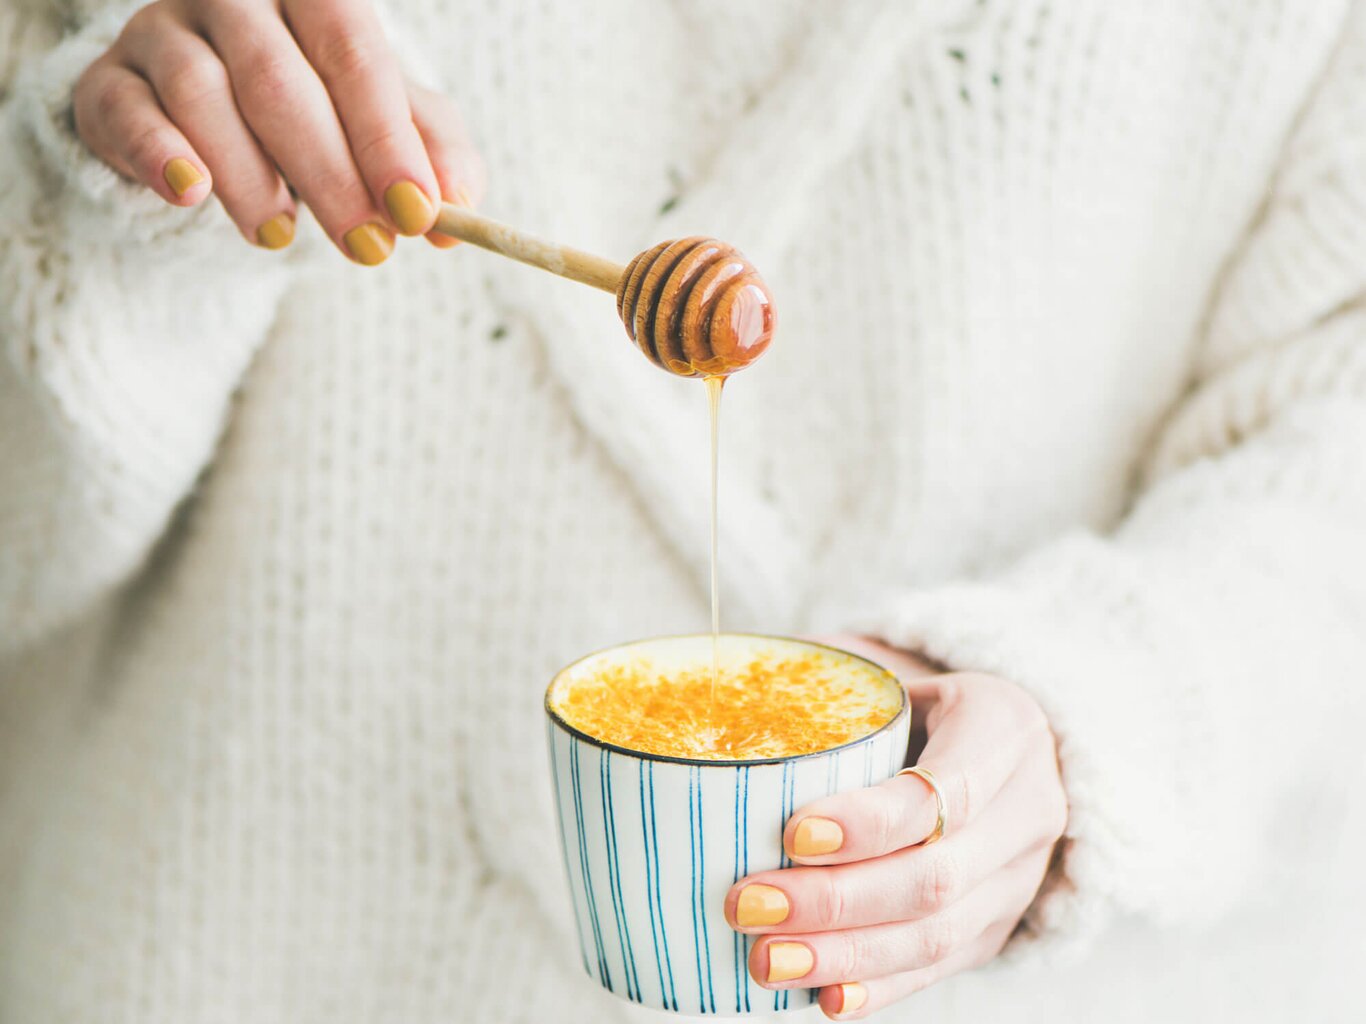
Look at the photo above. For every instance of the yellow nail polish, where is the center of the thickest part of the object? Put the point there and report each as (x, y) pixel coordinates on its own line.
(277, 232)
(409, 207)
(852, 997)
(370, 244)
(182, 175)
(816, 836)
(760, 905)
(788, 960)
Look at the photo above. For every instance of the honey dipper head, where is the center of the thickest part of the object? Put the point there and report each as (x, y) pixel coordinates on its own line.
(696, 307)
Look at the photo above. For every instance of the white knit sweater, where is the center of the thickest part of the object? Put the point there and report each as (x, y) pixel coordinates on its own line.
(289, 548)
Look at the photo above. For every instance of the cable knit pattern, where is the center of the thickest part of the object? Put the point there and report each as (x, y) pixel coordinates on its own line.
(1070, 385)
(111, 403)
(1253, 509)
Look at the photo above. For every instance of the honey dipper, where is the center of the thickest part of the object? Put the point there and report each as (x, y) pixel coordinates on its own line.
(695, 306)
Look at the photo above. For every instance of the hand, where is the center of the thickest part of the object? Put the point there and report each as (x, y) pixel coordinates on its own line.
(872, 916)
(240, 97)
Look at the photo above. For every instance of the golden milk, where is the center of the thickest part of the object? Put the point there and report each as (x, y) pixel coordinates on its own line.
(772, 698)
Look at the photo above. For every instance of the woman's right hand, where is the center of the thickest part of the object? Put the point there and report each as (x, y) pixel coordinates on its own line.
(255, 99)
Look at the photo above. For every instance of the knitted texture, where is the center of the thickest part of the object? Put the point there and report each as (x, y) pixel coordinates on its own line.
(1069, 385)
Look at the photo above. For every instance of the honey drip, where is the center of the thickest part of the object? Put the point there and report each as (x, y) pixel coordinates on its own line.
(714, 386)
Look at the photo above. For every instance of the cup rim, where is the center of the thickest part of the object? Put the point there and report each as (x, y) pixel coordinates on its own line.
(557, 719)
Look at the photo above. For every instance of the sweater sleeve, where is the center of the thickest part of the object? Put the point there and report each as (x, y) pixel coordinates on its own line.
(125, 325)
(1201, 663)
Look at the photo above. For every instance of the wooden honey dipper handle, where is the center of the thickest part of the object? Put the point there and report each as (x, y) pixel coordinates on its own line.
(575, 264)
(695, 306)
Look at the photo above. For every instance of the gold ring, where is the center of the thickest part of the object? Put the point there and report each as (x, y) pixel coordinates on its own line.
(940, 804)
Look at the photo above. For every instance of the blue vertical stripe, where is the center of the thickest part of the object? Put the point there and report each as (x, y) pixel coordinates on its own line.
(618, 872)
(656, 912)
(739, 938)
(701, 942)
(604, 972)
(783, 861)
(659, 902)
(696, 933)
(789, 782)
(791, 806)
(564, 845)
(744, 863)
(609, 835)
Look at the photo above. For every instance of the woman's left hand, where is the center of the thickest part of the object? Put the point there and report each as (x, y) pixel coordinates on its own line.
(871, 915)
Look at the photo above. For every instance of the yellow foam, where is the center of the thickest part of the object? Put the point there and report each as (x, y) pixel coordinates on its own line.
(771, 704)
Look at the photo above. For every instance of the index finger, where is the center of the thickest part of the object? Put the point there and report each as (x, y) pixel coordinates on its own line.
(345, 44)
(973, 750)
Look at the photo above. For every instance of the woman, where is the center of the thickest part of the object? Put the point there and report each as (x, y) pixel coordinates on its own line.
(1067, 410)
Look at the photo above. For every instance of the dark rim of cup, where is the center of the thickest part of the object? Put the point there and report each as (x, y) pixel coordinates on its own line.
(891, 723)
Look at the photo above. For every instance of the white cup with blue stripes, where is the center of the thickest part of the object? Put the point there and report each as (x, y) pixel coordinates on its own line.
(653, 843)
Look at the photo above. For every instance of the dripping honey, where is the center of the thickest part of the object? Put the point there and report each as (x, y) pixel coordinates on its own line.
(714, 386)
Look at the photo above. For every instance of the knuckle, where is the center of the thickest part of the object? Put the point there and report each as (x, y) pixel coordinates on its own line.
(346, 53)
(881, 831)
(1013, 702)
(963, 796)
(828, 905)
(938, 941)
(334, 188)
(249, 198)
(88, 105)
(268, 78)
(145, 20)
(853, 956)
(952, 692)
(108, 98)
(144, 150)
(883, 819)
(188, 81)
(382, 143)
(940, 886)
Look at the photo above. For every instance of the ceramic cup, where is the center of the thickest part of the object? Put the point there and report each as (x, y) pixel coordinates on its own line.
(652, 843)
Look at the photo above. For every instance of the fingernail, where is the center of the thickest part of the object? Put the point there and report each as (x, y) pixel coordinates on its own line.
(815, 836)
(852, 997)
(370, 243)
(462, 196)
(182, 175)
(277, 232)
(788, 960)
(409, 206)
(760, 905)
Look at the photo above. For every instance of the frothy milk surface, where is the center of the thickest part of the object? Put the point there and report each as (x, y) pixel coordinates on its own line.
(774, 698)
